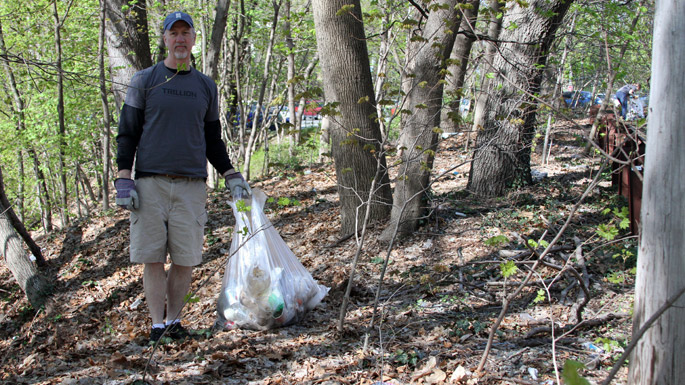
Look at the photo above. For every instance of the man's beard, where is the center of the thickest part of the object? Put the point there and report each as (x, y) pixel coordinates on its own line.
(180, 55)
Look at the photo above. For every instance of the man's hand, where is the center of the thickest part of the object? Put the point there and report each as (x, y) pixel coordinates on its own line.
(237, 185)
(127, 196)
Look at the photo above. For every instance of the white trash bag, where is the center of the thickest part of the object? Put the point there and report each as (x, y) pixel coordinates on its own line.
(265, 285)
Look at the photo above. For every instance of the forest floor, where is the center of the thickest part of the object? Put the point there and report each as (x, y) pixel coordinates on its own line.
(440, 297)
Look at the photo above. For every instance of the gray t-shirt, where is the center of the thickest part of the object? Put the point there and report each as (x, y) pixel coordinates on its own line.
(176, 108)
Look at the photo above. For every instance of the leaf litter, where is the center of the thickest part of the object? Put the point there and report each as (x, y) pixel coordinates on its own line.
(442, 293)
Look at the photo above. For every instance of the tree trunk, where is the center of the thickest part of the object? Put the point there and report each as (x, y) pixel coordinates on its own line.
(502, 154)
(218, 30)
(659, 355)
(106, 120)
(24, 271)
(19, 226)
(459, 60)
(128, 43)
(419, 138)
(493, 33)
(62, 133)
(254, 134)
(355, 134)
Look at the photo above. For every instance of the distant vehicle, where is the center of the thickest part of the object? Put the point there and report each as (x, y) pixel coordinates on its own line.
(312, 110)
(271, 114)
(599, 99)
(575, 99)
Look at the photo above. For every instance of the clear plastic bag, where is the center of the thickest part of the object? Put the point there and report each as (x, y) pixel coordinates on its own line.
(265, 285)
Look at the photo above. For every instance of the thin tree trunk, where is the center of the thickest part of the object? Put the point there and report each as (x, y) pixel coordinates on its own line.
(613, 71)
(557, 88)
(659, 355)
(62, 133)
(459, 60)
(494, 31)
(254, 134)
(105, 135)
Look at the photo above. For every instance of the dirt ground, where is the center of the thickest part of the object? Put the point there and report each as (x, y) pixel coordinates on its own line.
(442, 292)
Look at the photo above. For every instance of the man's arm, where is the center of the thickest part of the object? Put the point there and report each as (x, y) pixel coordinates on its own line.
(131, 122)
(215, 148)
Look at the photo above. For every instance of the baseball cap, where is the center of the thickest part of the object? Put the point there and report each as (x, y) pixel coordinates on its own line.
(176, 16)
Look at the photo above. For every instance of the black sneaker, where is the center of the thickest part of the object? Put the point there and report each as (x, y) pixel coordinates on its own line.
(177, 331)
(156, 334)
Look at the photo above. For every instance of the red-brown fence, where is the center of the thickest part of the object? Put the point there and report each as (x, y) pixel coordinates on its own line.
(627, 148)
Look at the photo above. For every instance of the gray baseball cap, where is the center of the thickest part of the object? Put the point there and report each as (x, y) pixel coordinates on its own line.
(176, 16)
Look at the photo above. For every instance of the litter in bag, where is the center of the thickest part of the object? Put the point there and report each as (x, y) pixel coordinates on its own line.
(265, 286)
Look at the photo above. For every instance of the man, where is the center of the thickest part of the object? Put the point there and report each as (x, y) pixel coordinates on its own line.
(623, 94)
(170, 124)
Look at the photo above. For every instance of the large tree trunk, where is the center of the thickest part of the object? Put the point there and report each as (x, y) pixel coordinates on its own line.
(459, 60)
(419, 138)
(19, 226)
(355, 134)
(128, 43)
(502, 155)
(659, 355)
(24, 271)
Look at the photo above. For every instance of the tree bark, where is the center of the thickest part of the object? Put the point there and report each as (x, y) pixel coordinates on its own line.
(354, 130)
(128, 43)
(254, 133)
(502, 154)
(62, 133)
(419, 138)
(19, 226)
(658, 357)
(24, 271)
(218, 30)
(494, 30)
(459, 60)
(105, 135)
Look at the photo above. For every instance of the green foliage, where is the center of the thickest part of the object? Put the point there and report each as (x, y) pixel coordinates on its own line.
(508, 268)
(496, 241)
(402, 357)
(189, 298)
(570, 373)
(540, 296)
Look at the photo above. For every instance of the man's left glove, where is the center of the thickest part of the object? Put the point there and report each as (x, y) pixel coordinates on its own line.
(127, 196)
(237, 185)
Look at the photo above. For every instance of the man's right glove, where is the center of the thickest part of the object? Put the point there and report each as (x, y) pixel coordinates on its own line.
(127, 196)
(236, 183)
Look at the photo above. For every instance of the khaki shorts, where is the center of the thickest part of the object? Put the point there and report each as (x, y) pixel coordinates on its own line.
(171, 219)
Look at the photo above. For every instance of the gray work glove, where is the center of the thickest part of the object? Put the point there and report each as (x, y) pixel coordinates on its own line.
(127, 196)
(237, 185)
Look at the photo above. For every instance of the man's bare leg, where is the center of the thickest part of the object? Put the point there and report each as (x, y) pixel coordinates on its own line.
(154, 282)
(178, 285)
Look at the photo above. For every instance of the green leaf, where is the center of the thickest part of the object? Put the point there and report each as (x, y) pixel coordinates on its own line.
(570, 373)
(540, 296)
(497, 240)
(508, 268)
(607, 231)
